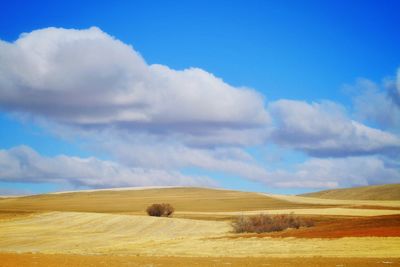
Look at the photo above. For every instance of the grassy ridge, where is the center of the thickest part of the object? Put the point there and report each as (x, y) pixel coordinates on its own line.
(136, 201)
(375, 192)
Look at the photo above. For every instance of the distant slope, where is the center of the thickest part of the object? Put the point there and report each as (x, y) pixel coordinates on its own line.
(375, 192)
(136, 201)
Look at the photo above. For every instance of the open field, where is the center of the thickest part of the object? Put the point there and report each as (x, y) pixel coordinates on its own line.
(97, 232)
(337, 202)
(375, 192)
(92, 233)
(136, 201)
(63, 260)
(183, 199)
(109, 228)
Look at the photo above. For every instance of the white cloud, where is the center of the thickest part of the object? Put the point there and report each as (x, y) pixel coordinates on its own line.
(148, 152)
(335, 172)
(373, 104)
(23, 164)
(90, 79)
(323, 129)
(153, 121)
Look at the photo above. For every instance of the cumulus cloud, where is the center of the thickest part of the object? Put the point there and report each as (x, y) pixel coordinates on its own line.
(23, 164)
(153, 121)
(323, 129)
(90, 79)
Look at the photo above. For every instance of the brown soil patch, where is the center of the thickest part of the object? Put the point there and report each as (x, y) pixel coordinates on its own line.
(62, 260)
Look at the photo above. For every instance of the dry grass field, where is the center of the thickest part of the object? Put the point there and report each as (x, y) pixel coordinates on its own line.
(66, 260)
(109, 228)
(346, 203)
(96, 233)
(136, 201)
(375, 192)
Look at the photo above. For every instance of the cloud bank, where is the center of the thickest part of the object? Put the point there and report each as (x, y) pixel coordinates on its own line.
(23, 164)
(154, 121)
(338, 172)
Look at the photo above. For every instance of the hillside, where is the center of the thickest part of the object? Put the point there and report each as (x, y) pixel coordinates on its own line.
(374, 192)
(47, 231)
(111, 222)
(135, 201)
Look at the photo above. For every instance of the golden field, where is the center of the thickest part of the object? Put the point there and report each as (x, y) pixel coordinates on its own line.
(136, 201)
(94, 233)
(89, 227)
(373, 192)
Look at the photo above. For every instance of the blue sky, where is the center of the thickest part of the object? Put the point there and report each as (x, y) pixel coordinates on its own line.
(324, 78)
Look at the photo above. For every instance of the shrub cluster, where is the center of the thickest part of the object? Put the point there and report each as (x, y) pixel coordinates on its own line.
(160, 210)
(268, 223)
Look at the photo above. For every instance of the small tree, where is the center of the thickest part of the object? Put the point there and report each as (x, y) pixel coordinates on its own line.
(160, 210)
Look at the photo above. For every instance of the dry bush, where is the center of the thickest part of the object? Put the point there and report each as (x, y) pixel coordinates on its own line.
(268, 223)
(160, 210)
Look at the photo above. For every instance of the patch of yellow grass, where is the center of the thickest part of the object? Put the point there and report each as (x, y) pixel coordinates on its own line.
(284, 247)
(91, 233)
(337, 202)
(373, 192)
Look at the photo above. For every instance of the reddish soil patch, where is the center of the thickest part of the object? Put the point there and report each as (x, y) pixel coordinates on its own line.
(377, 226)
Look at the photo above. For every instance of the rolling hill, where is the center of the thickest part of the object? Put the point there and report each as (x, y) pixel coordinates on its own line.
(111, 222)
(136, 201)
(374, 192)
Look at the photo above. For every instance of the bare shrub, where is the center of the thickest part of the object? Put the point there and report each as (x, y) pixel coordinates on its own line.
(268, 223)
(160, 210)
